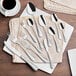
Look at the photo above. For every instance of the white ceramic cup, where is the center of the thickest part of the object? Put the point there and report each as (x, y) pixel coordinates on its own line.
(10, 12)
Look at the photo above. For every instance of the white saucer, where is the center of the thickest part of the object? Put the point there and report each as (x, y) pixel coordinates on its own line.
(11, 12)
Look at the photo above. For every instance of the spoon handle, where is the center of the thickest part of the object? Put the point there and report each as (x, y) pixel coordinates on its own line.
(46, 49)
(63, 36)
(48, 41)
(32, 37)
(62, 29)
(32, 65)
(38, 31)
(40, 46)
(56, 45)
(37, 27)
(39, 55)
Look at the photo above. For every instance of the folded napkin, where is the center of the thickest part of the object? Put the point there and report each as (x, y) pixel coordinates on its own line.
(67, 3)
(63, 6)
(21, 32)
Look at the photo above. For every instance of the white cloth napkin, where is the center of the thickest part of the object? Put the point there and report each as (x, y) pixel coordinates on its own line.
(72, 61)
(63, 6)
(67, 3)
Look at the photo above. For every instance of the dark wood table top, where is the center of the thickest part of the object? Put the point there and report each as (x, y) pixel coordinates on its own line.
(7, 68)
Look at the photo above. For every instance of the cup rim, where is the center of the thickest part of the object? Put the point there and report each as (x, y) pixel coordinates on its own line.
(5, 8)
(13, 11)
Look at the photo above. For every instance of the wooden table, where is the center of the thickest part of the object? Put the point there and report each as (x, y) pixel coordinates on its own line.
(7, 68)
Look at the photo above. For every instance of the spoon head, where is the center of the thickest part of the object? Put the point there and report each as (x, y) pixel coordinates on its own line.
(50, 32)
(32, 6)
(41, 22)
(43, 19)
(54, 17)
(30, 22)
(31, 9)
(61, 26)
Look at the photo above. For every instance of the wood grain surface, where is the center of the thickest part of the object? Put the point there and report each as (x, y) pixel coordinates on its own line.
(7, 68)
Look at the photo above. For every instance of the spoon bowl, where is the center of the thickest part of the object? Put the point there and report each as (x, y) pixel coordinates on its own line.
(31, 9)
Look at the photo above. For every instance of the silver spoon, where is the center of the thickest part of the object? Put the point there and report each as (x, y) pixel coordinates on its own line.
(46, 48)
(52, 32)
(31, 9)
(24, 26)
(31, 24)
(62, 28)
(42, 22)
(55, 19)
